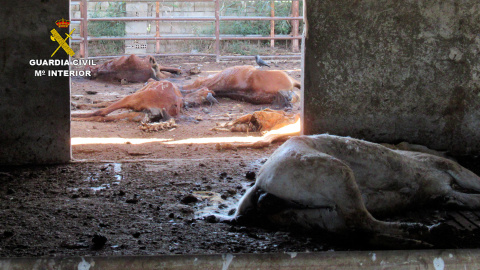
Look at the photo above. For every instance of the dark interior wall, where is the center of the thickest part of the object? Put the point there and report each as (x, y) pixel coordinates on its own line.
(34, 110)
(390, 71)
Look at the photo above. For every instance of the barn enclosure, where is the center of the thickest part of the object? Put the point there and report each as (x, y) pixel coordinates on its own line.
(385, 71)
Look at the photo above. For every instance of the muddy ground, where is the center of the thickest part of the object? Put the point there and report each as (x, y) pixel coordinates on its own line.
(145, 199)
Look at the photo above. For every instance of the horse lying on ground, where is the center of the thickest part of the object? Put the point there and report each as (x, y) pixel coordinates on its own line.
(336, 183)
(159, 99)
(131, 69)
(249, 84)
(260, 121)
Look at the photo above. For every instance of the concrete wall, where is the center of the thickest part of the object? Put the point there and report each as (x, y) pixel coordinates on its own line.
(136, 28)
(35, 112)
(390, 71)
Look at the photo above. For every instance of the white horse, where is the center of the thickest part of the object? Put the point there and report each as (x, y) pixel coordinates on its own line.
(337, 183)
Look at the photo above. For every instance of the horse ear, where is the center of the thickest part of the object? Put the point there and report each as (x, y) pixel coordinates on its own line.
(155, 73)
(152, 60)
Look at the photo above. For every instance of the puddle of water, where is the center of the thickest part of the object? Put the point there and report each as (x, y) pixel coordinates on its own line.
(95, 189)
(214, 199)
(99, 188)
(93, 177)
(117, 169)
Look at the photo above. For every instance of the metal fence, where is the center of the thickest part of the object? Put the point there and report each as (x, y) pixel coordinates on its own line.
(294, 36)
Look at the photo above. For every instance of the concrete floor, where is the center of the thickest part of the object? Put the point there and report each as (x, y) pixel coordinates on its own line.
(394, 259)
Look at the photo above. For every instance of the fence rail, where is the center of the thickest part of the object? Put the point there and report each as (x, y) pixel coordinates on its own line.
(84, 38)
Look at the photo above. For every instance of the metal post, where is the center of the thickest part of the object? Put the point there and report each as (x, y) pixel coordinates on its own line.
(217, 29)
(82, 49)
(157, 34)
(272, 23)
(295, 24)
(84, 33)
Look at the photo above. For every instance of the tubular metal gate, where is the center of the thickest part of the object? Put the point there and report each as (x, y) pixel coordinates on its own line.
(295, 36)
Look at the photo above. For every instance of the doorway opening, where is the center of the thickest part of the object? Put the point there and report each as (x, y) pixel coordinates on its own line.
(208, 45)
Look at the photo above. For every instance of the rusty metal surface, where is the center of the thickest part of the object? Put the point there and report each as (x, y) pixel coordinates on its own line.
(152, 19)
(393, 259)
(84, 29)
(161, 1)
(151, 38)
(272, 23)
(270, 57)
(160, 55)
(157, 26)
(276, 37)
(232, 18)
(217, 29)
(229, 57)
(205, 18)
(186, 37)
(295, 25)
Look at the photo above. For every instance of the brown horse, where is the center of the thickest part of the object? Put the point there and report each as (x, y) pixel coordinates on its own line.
(131, 69)
(157, 97)
(249, 84)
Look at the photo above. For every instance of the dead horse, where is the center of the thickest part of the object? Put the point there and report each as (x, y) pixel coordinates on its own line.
(336, 183)
(161, 99)
(249, 84)
(131, 69)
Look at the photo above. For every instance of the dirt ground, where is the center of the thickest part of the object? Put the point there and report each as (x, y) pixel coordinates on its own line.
(193, 123)
(130, 198)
